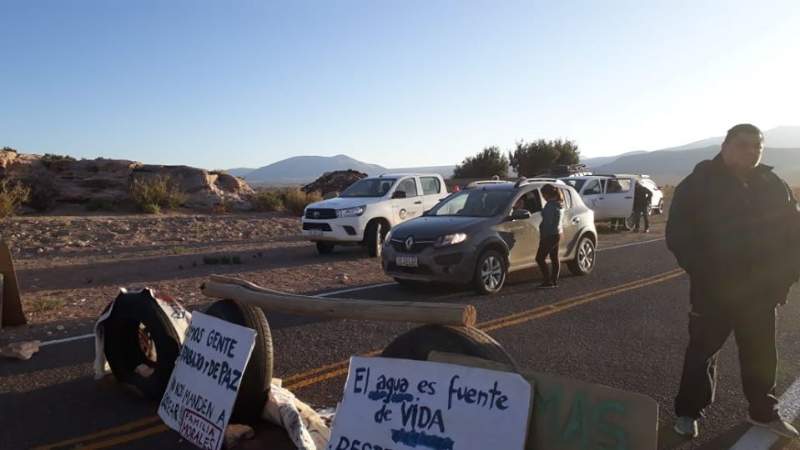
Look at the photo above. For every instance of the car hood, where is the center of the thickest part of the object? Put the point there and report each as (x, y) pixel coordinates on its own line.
(431, 227)
(345, 202)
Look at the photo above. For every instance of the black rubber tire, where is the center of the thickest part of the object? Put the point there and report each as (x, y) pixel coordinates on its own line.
(373, 238)
(418, 342)
(628, 222)
(257, 377)
(479, 285)
(661, 207)
(325, 248)
(121, 343)
(574, 266)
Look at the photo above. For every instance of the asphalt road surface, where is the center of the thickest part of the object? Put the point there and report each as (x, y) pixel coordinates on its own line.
(625, 326)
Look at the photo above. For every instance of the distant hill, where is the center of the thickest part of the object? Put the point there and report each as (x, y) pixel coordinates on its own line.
(305, 169)
(670, 165)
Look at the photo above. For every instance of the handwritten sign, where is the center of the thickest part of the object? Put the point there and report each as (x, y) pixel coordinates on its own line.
(203, 387)
(394, 404)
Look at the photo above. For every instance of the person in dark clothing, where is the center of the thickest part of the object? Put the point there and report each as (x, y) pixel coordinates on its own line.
(641, 202)
(550, 230)
(734, 226)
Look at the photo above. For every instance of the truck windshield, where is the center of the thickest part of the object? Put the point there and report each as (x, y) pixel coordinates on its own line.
(474, 203)
(369, 187)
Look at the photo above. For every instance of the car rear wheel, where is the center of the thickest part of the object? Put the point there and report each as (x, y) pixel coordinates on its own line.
(324, 248)
(629, 222)
(490, 272)
(585, 257)
(661, 207)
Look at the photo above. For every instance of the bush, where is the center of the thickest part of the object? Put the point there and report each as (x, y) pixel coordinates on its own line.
(12, 195)
(154, 194)
(43, 192)
(296, 200)
(55, 161)
(267, 201)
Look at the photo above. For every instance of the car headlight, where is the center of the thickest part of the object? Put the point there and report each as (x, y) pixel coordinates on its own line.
(451, 239)
(351, 212)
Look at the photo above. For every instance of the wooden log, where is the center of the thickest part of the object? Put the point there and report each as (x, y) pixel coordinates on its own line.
(339, 308)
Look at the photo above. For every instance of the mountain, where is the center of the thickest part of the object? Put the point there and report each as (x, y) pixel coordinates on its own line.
(670, 165)
(303, 169)
(601, 160)
(240, 171)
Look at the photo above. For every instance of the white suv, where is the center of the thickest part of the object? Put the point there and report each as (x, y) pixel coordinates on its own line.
(366, 211)
(611, 196)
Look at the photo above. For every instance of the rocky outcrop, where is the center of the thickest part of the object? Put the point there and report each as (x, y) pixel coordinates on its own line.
(332, 182)
(57, 180)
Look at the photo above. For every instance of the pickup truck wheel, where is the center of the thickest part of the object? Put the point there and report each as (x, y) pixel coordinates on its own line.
(373, 237)
(490, 272)
(661, 207)
(629, 222)
(585, 257)
(324, 248)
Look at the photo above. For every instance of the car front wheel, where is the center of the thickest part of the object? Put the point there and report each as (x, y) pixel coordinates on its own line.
(585, 257)
(490, 272)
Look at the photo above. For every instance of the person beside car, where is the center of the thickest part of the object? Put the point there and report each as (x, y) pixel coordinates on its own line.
(642, 198)
(550, 230)
(734, 226)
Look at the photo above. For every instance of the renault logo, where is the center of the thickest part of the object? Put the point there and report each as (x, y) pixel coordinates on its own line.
(316, 214)
(409, 242)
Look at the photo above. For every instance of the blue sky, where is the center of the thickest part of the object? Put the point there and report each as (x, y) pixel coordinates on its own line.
(247, 83)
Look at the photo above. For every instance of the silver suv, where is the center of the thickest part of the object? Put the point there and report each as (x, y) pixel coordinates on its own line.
(481, 234)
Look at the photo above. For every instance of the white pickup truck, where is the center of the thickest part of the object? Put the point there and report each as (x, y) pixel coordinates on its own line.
(611, 196)
(366, 211)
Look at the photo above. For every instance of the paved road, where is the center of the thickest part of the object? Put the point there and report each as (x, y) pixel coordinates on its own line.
(623, 326)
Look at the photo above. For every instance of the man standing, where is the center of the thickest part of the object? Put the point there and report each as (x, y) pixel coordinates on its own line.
(734, 227)
(642, 197)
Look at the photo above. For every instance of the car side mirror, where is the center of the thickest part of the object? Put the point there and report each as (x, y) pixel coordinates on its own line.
(399, 194)
(520, 214)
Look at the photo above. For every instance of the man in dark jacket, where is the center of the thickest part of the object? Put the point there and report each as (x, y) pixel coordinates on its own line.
(642, 198)
(734, 227)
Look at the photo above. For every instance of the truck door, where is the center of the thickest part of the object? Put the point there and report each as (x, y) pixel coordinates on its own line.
(409, 204)
(431, 191)
(618, 201)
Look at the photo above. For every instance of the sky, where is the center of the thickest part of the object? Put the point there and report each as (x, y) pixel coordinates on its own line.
(222, 84)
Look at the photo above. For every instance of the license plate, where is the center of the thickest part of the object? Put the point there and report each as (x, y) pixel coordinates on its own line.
(407, 261)
(315, 233)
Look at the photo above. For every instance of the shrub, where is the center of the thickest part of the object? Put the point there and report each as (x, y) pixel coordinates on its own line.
(154, 194)
(489, 162)
(296, 200)
(12, 195)
(43, 192)
(50, 160)
(267, 201)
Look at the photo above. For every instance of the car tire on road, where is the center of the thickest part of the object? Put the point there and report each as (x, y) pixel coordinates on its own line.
(325, 248)
(373, 238)
(629, 222)
(490, 272)
(585, 257)
(255, 382)
(661, 207)
(136, 317)
(417, 343)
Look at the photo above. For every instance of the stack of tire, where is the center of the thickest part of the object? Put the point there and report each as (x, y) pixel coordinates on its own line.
(133, 312)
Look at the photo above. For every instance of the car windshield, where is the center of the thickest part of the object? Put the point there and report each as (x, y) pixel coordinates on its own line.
(369, 187)
(577, 183)
(474, 203)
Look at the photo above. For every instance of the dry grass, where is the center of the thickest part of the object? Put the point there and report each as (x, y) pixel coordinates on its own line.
(154, 194)
(295, 200)
(267, 201)
(12, 196)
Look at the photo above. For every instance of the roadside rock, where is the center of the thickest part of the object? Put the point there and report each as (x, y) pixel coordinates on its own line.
(20, 350)
(335, 181)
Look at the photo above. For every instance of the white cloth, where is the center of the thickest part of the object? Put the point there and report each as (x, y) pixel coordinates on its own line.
(304, 426)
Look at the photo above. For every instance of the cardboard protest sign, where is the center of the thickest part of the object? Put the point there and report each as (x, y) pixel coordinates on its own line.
(203, 387)
(570, 414)
(396, 404)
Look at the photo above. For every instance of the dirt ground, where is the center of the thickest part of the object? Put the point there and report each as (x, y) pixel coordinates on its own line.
(70, 267)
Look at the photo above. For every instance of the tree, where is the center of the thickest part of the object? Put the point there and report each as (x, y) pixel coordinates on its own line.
(488, 163)
(535, 158)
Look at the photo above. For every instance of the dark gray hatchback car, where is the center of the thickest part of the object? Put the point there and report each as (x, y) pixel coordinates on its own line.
(481, 234)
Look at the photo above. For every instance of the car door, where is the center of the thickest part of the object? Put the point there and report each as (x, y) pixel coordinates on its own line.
(618, 199)
(592, 194)
(431, 191)
(571, 223)
(410, 204)
(523, 235)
